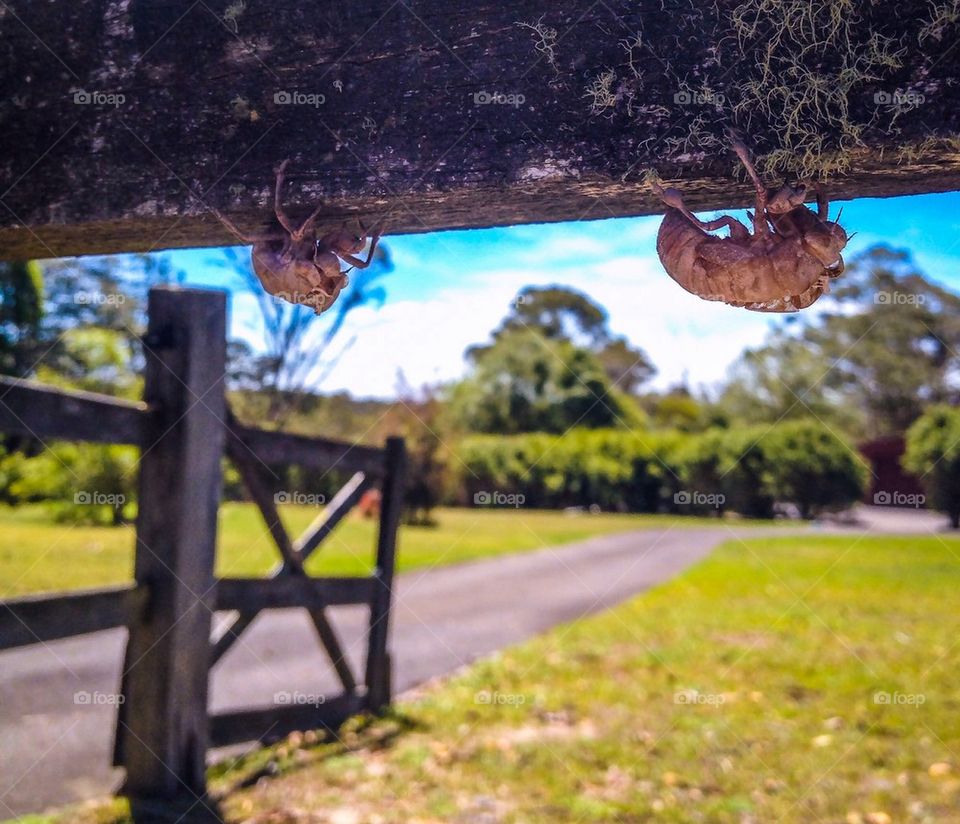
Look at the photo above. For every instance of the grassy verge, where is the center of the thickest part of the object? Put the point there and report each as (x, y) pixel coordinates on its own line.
(788, 679)
(38, 555)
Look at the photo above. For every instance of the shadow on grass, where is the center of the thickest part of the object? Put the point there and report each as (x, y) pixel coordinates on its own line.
(294, 753)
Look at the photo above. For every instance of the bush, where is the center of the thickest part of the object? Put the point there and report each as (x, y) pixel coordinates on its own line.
(81, 482)
(933, 454)
(613, 469)
(745, 470)
(702, 461)
(812, 468)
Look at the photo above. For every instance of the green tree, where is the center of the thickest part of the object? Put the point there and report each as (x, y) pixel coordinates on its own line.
(81, 482)
(933, 454)
(562, 314)
(895, 353)
(87, 338)
(886, 347)
(21, 313)
(787, 379)
(813, 468)
(525, 382)
(628, 367)
(557, 313)
(94, 359)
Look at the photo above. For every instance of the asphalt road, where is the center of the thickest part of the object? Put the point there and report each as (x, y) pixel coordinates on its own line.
(54, 750)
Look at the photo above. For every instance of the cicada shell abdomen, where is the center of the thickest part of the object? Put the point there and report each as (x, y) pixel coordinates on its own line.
(710, 267)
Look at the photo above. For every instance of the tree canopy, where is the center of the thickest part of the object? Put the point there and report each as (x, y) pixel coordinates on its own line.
(526, 382)
(563, 314)
(886, 348)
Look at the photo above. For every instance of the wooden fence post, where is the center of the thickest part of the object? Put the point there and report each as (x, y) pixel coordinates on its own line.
(378, 675)
(162, 734)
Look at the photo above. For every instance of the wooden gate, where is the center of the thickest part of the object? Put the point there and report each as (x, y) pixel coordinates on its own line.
(183, 429)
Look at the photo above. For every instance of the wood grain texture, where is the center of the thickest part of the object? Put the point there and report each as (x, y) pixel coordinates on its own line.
(190, 105)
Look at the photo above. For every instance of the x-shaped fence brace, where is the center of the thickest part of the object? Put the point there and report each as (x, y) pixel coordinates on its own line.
(289, 585)
(293, 554)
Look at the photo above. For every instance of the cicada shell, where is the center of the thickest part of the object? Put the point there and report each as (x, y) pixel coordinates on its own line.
(785, 264)
(294, 264)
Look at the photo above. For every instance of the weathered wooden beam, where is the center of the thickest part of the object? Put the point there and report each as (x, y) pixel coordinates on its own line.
(314, 453)
(37, 619)
(123, 123)
(378, 673)
(287, 591)
(46, 412)
(162, 729)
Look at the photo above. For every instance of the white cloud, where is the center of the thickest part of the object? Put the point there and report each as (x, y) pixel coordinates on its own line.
(425, 339)
(682, 334)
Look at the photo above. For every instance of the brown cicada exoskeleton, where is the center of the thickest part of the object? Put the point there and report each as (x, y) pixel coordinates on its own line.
(783, 266)
(294, 264)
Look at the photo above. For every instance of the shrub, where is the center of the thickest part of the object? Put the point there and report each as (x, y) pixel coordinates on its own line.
(702, 463)
(81, 482)
(811, 467)
(745, 469)
(933, 453)
(613, 469)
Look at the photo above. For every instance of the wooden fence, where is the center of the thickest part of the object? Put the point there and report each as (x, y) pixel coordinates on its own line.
(183, 428)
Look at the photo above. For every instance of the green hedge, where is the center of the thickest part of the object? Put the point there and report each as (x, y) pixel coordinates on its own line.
(933, 453)
(610, 468)
(744, 469)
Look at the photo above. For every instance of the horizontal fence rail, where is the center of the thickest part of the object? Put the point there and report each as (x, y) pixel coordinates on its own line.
(43, 412)
(309, 452)
(36, 619)
(47, 412)
(286, 591)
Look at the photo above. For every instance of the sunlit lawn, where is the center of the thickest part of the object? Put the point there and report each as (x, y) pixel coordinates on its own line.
(789, 679)
(37, 554)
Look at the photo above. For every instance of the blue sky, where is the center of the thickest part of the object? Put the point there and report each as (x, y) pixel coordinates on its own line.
(450, 289)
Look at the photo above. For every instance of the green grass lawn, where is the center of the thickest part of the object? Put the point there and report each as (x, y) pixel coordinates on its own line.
(38, 555)
(795, 679)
